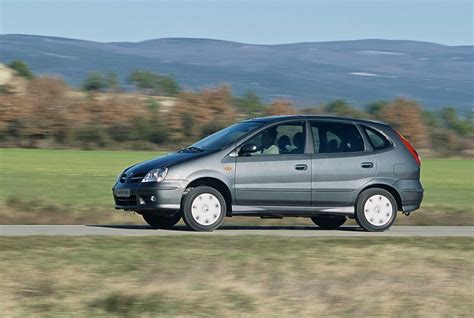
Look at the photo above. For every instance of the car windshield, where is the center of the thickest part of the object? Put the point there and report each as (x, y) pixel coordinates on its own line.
(226, 136)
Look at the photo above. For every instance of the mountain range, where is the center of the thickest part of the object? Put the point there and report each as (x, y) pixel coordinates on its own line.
(359, 71)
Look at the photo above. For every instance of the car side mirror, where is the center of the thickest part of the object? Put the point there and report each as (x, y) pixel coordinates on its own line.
(247, 149)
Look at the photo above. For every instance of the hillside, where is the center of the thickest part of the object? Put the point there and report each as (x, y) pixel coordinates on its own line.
(360, 71)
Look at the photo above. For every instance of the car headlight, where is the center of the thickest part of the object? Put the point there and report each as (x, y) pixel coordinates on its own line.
(156, 175)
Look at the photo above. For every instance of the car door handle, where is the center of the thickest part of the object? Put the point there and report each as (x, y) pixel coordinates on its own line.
(367, 165)
(301, 167)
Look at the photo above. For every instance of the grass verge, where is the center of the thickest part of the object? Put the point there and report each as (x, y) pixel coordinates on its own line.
(236, 276)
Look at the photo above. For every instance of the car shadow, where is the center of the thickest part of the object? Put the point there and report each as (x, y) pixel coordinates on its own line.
(230, 227)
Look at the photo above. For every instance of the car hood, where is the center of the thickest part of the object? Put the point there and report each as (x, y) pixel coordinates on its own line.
(165, 161)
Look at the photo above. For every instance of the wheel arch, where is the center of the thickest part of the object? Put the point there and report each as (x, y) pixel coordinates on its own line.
(387, 187)
(217, 184)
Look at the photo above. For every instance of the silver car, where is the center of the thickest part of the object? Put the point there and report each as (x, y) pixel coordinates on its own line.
(326, 168)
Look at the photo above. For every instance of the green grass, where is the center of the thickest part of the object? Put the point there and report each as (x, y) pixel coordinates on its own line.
(47, 183)
(70, 177)
(449, 184)
(238, 276)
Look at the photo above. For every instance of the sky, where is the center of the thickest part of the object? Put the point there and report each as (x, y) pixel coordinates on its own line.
(447, 22)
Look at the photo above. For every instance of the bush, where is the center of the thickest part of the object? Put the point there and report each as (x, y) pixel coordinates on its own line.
(250, 104)
(21, 69)
(211, 128)
(46, 112)
(151, 130)
(95, 82)
(120, 132)
(154, 83)
(91, 136)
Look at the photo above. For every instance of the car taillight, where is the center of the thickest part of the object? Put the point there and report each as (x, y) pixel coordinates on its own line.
(410, 148)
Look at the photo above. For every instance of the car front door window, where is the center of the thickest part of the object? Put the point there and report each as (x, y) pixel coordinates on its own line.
(286, 138)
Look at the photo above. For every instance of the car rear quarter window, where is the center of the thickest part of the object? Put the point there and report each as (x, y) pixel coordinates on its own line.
(334, 137)
(377, 139)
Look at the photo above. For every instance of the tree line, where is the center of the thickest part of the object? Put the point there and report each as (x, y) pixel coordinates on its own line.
(45, 112)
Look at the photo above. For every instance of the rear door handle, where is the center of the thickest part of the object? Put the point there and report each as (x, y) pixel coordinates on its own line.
(301, 167)
(367, 165)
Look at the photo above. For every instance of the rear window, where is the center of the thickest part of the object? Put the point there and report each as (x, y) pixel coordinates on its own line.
(377, 139)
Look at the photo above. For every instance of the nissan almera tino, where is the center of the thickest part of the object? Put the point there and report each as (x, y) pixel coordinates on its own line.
(326, 168)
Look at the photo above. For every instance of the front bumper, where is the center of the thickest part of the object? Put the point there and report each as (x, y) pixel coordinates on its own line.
(165, 195)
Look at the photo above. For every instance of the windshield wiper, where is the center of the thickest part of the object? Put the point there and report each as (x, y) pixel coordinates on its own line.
(192, 148)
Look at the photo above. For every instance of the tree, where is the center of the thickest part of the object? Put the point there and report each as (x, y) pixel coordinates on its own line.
(376, 108)
(280, 107)
(21, 69)
(406, 116)
(168, 85)
(452, 121)
(153, 83)
(250, 104)
(431, 119)
(95, 82)
(142, 79)
(201, 113)
(340, 107)
(101, 82)
(40, 113)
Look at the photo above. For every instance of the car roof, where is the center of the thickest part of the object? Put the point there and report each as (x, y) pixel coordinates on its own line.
(276, 119)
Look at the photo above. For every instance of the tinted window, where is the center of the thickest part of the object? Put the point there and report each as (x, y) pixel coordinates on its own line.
(287, 138)
(336, 137)
(377, 140)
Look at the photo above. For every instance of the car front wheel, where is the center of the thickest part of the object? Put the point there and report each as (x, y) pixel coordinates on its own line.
(158, 220)
(376, 210)
(203, 209)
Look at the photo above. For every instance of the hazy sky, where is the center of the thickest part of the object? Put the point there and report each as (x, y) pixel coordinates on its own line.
(257, 21)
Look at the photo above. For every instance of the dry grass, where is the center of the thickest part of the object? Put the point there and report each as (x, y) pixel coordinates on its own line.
(22, 211)
(236, 276)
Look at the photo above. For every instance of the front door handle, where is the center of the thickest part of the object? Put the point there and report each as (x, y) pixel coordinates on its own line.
(367, 165)
(301, 167)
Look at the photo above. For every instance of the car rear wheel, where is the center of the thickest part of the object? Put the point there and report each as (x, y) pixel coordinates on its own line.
(376, 210)
(328, 222)
(159, 220)
(203, 209)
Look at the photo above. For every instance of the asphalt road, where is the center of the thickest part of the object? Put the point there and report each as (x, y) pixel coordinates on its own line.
(290, 231)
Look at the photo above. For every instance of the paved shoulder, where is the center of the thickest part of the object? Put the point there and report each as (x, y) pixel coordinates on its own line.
(290, 231)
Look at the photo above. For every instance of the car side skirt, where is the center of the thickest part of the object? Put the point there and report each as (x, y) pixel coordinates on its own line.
(244, 210)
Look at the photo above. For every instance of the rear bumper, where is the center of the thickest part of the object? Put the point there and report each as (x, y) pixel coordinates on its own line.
(411, 194)
(162, 196)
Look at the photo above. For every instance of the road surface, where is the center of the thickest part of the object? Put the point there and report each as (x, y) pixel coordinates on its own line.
(289, 231)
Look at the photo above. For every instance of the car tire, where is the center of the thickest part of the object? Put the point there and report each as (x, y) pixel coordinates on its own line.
(376, 210)
(159, 220)
(328, 222)
(203, 209)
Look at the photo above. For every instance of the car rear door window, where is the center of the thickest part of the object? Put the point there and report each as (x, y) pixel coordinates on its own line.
(333, 137)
